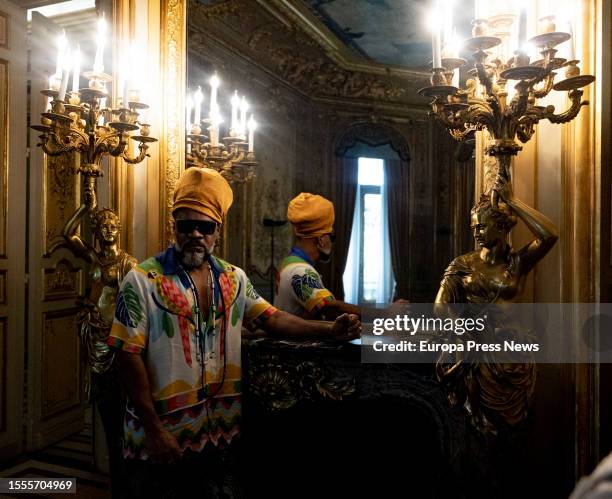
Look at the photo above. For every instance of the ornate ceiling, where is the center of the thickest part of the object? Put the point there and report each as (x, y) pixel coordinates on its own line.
(387, 31)
(289, 39)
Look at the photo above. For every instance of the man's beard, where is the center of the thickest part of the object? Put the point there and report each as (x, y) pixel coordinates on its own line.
(324, 257)
(191, 255)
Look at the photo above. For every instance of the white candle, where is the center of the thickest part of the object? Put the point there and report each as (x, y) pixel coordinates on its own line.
(188, 109)
(102, 107)
(100, 41)
(455, 82)
(77, 69)
(571, 42)
(244, 107)
(235, 101)
(199, 97)
(54, 82)
(125, 78)
(62, 44)
(63, 85)
(214, 85)
(448, 25)
(252, 127)
(435, 40)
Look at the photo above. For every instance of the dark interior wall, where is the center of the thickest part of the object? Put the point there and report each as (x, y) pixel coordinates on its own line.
(295, 146)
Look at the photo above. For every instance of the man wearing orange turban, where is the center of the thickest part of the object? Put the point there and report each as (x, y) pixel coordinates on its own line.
(300, 288)
(178, 328)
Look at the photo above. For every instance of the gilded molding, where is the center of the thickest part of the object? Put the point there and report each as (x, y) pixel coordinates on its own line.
(4, 30)
(4, 382)
(61, 282)
(373, 134)
(60, 381)
(280, 385)
(4, 106)
(225, 8)
(172, 138)
(288, 48)
(60, 196)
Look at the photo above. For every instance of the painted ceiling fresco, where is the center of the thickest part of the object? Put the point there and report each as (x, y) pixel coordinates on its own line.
(387, 31)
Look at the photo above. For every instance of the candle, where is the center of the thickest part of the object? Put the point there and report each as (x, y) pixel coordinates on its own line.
(455, 82)
(252, 127)
(125, 78)
(63, 85)
(188, 109)
(522, 25)
(100, 41)
(77, 69)
(62, 43)
(244, 107)
(214, 135)
(571, 42)
(199, 97)
(214, 85)
(448, 26)
(54, 82)
(102, 107)
(235, 101)
(435, 41)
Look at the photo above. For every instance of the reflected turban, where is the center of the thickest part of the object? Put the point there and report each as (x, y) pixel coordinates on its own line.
(311, 215)
(205, 191)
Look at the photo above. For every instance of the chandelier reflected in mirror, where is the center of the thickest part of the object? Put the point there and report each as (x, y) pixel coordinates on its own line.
(232, 156)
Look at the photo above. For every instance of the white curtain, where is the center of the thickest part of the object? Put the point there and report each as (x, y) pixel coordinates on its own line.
(384, 286)
(350, 279)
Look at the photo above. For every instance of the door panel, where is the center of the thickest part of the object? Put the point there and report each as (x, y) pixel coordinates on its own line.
(13, 174)
(55, 365)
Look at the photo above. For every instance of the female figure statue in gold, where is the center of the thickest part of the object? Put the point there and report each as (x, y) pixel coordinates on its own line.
(494, 393)
(108, 266)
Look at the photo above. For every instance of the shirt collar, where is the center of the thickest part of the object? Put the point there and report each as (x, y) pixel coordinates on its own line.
(170, 265)
(300, 253)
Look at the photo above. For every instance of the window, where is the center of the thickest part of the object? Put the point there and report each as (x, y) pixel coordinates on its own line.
(368, 277)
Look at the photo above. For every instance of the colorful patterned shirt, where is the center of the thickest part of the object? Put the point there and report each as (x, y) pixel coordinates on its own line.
(300, 290)
(195, 378)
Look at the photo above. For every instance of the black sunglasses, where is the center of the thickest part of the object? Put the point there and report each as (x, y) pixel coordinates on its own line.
(332, 237)
(204, 227)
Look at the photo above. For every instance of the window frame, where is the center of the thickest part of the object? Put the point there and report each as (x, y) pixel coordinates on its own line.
(363, 190)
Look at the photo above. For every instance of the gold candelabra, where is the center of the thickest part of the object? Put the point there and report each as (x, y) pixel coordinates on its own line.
(485, 102)
(83, 124)
(231, 157)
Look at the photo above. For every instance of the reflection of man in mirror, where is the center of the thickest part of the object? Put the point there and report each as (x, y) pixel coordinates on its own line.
(178, 329)
(300, 289)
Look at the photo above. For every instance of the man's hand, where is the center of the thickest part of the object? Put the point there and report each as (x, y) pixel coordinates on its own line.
(162, 446)
(346, 327)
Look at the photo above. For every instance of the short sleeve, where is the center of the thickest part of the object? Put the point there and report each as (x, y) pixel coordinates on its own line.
(256, 308)
(130, 330)
(307, 287)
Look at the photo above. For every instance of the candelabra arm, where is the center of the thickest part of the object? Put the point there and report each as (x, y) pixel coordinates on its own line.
(57, 150)
(549, 81)
(520, 103)
(119, 149)
(142, 148)
(484, 78)
(575, 96)
(481, 114)
(105, 141)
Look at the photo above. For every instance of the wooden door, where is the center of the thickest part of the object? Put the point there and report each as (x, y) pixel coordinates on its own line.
(13, 174)
(56, 278)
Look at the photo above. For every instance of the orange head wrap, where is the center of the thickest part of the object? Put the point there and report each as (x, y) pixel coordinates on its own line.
(205, 191)
(311, 215)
